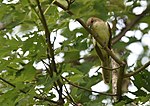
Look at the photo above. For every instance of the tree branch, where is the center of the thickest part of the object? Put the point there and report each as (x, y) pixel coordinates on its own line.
(137, 71)
(129, 26)
(47, 34)
(80, 87)
(92, 33)
(50, 52)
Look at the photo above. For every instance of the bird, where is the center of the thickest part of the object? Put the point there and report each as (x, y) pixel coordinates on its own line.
(103, 31)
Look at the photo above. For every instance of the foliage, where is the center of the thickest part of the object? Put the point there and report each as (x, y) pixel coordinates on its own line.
(24, 48)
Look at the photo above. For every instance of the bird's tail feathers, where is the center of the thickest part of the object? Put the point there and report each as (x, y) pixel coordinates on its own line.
(106, 71)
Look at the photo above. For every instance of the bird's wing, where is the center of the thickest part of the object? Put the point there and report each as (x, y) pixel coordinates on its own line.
(110, 36)
(99, 52)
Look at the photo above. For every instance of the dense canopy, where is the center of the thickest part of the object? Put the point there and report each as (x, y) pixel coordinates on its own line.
(47, 56)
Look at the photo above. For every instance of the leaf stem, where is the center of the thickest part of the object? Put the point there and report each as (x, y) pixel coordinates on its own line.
(80, 87)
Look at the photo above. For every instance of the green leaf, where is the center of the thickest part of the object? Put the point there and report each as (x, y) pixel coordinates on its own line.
(71, 55)
(26, 74)
(76, 78)
(142, 80)
(8, 98)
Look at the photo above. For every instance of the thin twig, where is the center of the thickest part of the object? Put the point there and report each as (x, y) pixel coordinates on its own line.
(44, 63)
(12, 85)
(40, 98)
(47, 69)
(137, 71)
(80, 87)
(54, 38)
(71, 99)
(66, 97)
(46, 99)
(111, 69)
(97, 69)
(69, 2)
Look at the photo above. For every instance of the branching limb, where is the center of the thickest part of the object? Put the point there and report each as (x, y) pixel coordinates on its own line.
(69, 2)
(47, 34)
(77, 86)
(129, 26)
(47, 69)
(50, 52)
(92, 33)
(137, 71)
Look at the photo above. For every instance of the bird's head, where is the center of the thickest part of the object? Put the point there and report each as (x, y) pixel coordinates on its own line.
(91, 20)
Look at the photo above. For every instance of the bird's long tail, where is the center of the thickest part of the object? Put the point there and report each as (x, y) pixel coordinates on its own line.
(105, 71)
(102, 54)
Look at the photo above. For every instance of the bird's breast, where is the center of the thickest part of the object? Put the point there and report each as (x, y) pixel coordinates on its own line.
(102, 30)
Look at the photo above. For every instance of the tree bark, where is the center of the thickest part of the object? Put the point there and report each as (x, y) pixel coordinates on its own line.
(114, 78)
